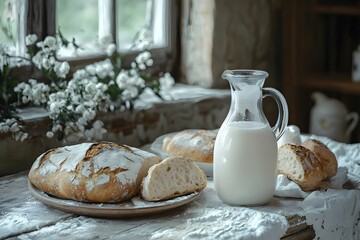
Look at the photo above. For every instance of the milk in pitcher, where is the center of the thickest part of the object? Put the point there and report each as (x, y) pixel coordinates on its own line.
(245, 151)
(245, 163)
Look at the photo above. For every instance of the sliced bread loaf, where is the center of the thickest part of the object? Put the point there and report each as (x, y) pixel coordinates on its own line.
(174, 176)
(92, 172)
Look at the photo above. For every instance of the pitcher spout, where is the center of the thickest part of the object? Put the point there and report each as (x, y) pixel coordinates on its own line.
(247, 76)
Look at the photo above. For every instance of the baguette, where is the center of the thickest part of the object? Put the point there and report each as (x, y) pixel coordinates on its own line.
(197, 145)
(92, 172)
(174, 176)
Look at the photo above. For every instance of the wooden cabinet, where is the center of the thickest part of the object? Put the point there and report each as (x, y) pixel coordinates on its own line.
(319, 38)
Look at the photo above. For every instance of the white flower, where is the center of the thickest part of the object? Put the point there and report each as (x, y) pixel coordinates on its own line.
(102, 87)
(89, 115)
(62, 69)
(96, 132)
(24, 136)
(20, 136)
(143, 57)
(110, 49)
(142, 66)
(80, 109)
(46, 63)
(50, 42)
(80, 74)
(82, 121)
(56, 128)
(14, 127)
(49, 134)
(4, 128)
(33, 92)
(149, 62)
(130, 92)
(37, 59)
(40, 44)
(90, 69)
(121, 79)
(30, 39)
(133, 72)
(166, 82)
(144, 39)
(137, 81)
(55, 107)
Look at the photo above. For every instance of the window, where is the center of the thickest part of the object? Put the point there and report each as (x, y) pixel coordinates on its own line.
(8, 22)
(91, 22)
(12, 33)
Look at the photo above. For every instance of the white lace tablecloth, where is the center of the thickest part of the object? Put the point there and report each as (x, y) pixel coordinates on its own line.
(333, 212)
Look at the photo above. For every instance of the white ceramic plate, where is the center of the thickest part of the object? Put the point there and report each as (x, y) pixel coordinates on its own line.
(156, 147)
(134, 207)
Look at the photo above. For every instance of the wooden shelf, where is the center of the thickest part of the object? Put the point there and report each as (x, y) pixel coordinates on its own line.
(341, 84)
(335, 9)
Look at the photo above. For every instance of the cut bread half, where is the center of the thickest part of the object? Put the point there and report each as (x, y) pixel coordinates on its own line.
(301, 166)
(173, 177)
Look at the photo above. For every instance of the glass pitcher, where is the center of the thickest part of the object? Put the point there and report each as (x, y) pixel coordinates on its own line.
(245, 151)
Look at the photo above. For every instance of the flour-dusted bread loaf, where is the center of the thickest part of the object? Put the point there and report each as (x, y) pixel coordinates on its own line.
(174, 176)
(92, 172)
(301, 166)
(325, 156)
(195, 144)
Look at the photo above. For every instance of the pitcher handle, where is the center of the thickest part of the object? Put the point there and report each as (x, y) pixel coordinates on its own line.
(283, 114)
(355, 118)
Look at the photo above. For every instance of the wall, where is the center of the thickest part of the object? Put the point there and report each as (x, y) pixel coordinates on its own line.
(231, 34)
(228, 34)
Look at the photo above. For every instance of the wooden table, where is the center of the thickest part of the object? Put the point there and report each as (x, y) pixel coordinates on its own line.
(21, 216)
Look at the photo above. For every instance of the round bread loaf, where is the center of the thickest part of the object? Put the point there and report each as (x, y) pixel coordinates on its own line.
(197, 145)
(326, 157)
(92, 172)
(301, 166)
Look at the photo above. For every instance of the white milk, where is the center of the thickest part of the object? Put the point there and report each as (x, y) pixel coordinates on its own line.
(245, 163)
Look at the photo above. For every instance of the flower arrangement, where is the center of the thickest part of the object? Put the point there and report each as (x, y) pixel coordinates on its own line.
(72, 98)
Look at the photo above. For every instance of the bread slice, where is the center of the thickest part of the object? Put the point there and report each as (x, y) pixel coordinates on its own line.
(301, 166)
(92, 172)
(195, 144)
(325, 156)
(174, 176)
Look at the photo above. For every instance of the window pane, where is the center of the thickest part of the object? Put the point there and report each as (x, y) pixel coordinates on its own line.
(8, 21)
(78, 19)
(130, 18)
(140, 18)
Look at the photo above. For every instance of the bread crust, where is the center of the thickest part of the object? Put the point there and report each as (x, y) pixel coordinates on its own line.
(312, 169)
(92, 172)
(197, 145)
(325, 155)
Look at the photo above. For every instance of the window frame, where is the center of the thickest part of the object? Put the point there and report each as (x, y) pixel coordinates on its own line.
(41, 20)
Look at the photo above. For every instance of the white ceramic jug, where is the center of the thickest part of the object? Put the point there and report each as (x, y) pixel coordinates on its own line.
(329, 117)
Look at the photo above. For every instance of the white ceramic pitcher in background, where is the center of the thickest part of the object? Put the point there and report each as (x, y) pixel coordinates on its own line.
(245, 151)
(329, 117)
